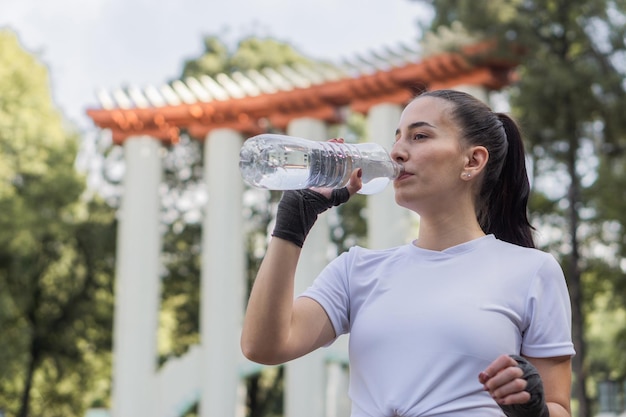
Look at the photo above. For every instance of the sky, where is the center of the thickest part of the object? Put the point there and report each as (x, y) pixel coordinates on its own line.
(92, 44)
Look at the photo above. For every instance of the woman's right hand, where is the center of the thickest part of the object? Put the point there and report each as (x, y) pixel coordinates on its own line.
(354, 184)
(298, 209)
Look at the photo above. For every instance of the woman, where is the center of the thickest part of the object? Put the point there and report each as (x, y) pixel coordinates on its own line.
(467, 320)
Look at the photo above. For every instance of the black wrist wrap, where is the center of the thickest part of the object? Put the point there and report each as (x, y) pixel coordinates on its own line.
(298, 211)
(536, 406)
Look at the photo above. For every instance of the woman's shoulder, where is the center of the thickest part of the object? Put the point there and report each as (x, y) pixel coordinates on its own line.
(516, 254)
(512, 247)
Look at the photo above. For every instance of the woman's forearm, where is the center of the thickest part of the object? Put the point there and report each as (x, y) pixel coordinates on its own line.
(268, 317)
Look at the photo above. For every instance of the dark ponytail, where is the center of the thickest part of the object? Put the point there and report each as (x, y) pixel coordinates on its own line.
(507, 202)
(501, 206)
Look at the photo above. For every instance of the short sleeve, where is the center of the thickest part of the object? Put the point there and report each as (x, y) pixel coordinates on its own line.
(331, 290)
(548, 312)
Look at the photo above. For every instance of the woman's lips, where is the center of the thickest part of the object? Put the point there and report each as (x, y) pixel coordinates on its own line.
(403, 176)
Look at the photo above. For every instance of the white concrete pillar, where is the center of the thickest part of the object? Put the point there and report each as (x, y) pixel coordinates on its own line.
(223, 275)
(338, 404)
(388, 224)
(137, 286)
(305, 378)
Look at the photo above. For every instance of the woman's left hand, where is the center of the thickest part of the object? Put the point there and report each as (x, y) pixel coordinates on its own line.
(503, 380)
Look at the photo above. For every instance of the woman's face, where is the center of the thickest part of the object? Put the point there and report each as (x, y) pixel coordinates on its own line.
(428, 145)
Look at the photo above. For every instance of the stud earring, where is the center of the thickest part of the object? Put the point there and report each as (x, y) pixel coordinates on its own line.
(467, 175)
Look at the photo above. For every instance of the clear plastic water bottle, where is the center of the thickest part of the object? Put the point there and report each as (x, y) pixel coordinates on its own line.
(279, 162)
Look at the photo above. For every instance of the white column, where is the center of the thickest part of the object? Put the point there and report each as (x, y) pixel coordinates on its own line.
(305, 377)
(223, 275)
(137, 281)
(338, 404)
(388, 224)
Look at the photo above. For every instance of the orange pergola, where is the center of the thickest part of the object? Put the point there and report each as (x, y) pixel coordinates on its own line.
(243, 104)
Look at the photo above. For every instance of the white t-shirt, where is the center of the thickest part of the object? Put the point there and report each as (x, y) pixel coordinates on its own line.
(423, 323)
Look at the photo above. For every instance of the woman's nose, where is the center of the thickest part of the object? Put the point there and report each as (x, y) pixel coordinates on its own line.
(397, 153)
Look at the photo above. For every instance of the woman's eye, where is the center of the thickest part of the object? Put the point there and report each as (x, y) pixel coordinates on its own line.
(419, 136)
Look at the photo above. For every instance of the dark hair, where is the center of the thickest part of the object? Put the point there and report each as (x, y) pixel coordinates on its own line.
(502, 202)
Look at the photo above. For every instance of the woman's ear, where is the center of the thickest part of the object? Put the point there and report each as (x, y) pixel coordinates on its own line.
(477, 157)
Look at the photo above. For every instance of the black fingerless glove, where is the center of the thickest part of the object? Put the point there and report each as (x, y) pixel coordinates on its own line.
(536, 406)
(298, 211)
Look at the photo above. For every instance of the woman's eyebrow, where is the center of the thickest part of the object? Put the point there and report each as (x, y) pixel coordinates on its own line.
(416, 125)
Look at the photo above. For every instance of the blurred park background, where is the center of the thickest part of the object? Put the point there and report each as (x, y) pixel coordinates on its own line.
(61, 177)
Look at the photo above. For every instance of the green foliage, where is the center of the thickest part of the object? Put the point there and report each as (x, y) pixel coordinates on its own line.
(56, 254)
(265, 391)
(251, 53)
(255, 53)
(476, 16)
(606, 330)
(213, 61)
(180, 291)
(180, 296)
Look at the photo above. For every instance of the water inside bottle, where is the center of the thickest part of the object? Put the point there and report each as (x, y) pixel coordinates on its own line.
(275, 167)
(330, 166)
(295, 164)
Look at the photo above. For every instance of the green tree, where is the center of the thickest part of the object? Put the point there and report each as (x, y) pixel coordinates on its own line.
(251, 53)
(56, 254)
(570, 100)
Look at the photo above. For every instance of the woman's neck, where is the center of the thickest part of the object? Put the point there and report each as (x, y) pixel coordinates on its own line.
(442, 232)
